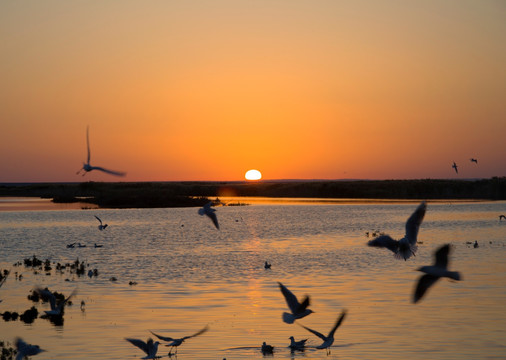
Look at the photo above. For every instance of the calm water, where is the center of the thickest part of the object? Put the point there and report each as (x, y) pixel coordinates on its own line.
(189, 274)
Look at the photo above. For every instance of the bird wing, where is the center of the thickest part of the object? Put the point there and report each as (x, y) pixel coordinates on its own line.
(442, 256)
(303, 305)
(164, 338)
(291, 299)
(98, 219)
(140, 344)
(385, 241)
(112, 172)
(214, 218)
(197, 333)
(47, 295)
(414, 221)
(320, 335)
(337, 324)
(88, 143)
(4, 278)
(424, 283)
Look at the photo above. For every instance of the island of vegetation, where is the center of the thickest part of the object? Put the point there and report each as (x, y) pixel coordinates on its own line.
(197, 193)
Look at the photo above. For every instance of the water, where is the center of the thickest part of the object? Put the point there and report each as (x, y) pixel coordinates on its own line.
(189, 274)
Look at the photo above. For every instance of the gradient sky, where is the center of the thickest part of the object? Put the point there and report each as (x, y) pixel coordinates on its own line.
(205, 90)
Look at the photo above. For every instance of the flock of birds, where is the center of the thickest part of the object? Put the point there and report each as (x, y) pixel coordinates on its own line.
(403, 248)
(456, 167)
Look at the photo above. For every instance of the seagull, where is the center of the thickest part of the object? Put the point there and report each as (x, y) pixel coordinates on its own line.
(207, 210)
(329, 339)
(267, 349)
(56, 310)
(475, 245)
(176, 342)
(101, 226)
(4, 278)
(455, 167)
(87, 167)
(474, 160)
(405, 247)
(71, 246)
(299, 310)
(297, 345)
(502, 217)
(267, 265)
(434, 272)
(25, 349)
(149, 347)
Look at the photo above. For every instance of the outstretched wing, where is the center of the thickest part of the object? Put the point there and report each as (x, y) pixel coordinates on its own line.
(214, 218)
(442, 256)
(337, 324)
(320, 335)
(291, 299)
(385, 241)
(112, 172)
(424, 283)
(140, 344)
(414, 221)
(197, 333)
(88, 143)
(98, 219)
(164, 338)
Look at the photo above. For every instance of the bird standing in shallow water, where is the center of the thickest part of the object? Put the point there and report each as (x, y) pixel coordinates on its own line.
(329, 339)
(434, 272)
(176, 342)
(405, 247)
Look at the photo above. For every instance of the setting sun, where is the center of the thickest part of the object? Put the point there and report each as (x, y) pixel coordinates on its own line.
(253, 175)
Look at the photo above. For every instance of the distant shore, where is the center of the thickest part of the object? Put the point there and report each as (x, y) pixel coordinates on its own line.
(197, 193)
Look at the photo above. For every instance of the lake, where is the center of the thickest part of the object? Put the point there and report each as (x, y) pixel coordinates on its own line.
(175, 273)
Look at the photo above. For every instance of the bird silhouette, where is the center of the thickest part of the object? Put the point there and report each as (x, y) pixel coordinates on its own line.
(177, 342)
(25, 349)
(455, 167)
(86, 165)
(210, 213)
(150, 347)
(298, 309)
(329, 339)
(474, 160)
(101, 226)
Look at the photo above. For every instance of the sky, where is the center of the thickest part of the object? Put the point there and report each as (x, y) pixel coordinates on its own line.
(206, 90)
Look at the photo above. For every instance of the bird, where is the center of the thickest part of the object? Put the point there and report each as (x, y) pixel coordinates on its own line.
(475, 245)
(97, 245)
(25, 349)
(209, 212)
(434, 272)
(56, 310)
(71, 246)
(297, 345)
(405, 247)
(176, 342)
(267, 265)
(502, 217)
(101, 226)
(329, 339)
(455, 167)
(267, 349)
(150, 347)
(298, 310)
(474, 160)
(86, 165)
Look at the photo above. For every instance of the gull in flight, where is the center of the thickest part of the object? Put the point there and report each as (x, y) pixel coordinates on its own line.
(87, 167)
(101, 226)
(298, 310)
(149, 347)
(176, 342)
(405, 247)
(329, 339)
(56, 310)
(474, 160)
(434, 272)
(455, 167)
(25, 349)
(297, 345)
(209, 212)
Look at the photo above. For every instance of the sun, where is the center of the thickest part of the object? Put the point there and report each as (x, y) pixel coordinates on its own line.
(253, 175)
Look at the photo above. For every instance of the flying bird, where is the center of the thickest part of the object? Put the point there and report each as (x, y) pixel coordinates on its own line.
(210, 213)
(25, 349)
(405, 247)
(329, 339)
(149, 347)
(297, 345)
(101, 226)
(56, 309)
(434, 272)
(176, 342)
(455, 167)
(474, 160)
(87, 167)
(298, 309)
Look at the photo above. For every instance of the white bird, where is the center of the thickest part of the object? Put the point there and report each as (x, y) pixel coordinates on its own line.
(297, 345)
(455, 167)
(149, 347)
(25, 349)
(86, 165)
(101, 226)
(405, 247)
(209, 212)
(56, 309)
(434, 272)
(329, 339)
(298, 310)
(176, 342)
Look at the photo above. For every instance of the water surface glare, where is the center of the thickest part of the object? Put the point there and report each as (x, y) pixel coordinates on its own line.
(189, 274)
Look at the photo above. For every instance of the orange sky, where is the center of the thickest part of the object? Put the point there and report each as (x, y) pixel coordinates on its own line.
(205, 90)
